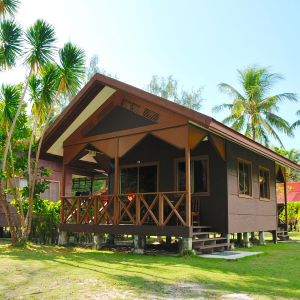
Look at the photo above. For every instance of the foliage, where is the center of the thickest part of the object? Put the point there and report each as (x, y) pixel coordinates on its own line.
(45, 221)
(168, 88)
(293, 155)
(297, 123)
(293, 209)
(253, 111)
(8, 7)
(52, 74)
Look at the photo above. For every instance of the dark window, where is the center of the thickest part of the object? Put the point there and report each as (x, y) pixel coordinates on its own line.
(142, 179)
(245, 178)
(264, 183)
(199, 176)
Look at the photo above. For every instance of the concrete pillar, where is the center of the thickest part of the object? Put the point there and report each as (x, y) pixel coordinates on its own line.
(98, 241)
(62, 238)
(186, 244)
(246, 242)
(262, 238)
(139, 242)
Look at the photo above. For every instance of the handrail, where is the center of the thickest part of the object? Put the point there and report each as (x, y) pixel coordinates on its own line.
(156, 208)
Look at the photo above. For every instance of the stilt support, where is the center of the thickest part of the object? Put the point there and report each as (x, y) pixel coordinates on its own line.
(63, 238)
(262, 238)
(246, 242)
(186, 244)
(139, 242)
(98, 241)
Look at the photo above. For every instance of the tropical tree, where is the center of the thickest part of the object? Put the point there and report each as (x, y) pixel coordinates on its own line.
(45, 83)
(253, 111)
(168, 88)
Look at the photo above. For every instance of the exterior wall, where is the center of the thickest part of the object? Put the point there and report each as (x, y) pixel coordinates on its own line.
(213, 208)
(249, 214)
(55, 176)
(152, 149)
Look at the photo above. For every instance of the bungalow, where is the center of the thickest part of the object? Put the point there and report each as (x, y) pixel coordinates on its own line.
(169, 170)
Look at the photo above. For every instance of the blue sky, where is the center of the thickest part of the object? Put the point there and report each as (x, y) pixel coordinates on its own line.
(201, 43)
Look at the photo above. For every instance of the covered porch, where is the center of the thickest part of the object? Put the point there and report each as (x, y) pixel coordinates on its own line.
(157, 182)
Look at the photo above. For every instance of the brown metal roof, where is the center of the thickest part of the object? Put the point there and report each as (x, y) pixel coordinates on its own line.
(98, 82)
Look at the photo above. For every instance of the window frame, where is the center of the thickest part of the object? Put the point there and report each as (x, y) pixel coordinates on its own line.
(249, 163)
(137, 165)
(193, 158)
(269, 183)
(59, 195)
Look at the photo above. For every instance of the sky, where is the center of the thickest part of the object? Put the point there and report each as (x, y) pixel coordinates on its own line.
(201, 43)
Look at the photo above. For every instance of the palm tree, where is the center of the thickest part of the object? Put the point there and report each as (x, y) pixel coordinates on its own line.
(253, 111)
(297, 123)
(39, 47)
(69, 74)
(8, 7)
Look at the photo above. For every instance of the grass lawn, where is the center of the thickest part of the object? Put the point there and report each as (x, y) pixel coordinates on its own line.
(45, 272)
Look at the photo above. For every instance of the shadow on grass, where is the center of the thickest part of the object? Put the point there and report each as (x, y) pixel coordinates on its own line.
(275, 273)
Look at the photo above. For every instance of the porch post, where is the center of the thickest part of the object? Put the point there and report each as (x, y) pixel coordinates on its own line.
(188, 180)
(116, 183)
(285, 202)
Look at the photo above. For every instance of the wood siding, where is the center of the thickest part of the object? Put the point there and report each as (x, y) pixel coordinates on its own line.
(249, 214)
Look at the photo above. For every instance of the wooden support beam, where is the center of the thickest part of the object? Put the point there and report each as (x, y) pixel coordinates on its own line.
(116, 183)
(160, 209)
(188, 179)
(285, 202)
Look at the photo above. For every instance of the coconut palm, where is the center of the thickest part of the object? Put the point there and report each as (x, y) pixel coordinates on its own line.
(8, 7)
(252, 111)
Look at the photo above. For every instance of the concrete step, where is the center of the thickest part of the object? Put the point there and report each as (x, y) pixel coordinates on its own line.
(211, 247)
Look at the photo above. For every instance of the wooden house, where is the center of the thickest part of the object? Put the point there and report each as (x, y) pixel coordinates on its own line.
(170, 171)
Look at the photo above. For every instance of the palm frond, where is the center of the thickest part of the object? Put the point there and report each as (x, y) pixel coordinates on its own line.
(279, 123)
(8, 7)
(9, 97)
(10, 43)
(229, 90)
(221, 107)
(40, 38)
(71, 69)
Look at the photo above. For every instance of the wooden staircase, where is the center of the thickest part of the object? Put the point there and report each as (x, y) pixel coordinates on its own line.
(207, 241)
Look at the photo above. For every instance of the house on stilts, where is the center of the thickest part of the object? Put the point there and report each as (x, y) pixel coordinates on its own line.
(170, 171)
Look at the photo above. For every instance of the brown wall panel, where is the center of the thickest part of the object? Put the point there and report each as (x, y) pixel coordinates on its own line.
(249, 214)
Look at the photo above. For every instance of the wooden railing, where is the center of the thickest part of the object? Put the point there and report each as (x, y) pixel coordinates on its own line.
(159, 209)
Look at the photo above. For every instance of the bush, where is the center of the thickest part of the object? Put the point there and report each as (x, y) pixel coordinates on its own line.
(45, 221)
(293, 213)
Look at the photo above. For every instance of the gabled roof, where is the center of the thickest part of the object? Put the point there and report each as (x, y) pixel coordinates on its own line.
(101, 87)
